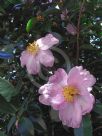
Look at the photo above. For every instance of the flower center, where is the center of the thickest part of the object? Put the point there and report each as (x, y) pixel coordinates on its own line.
(69, 93)
(33, 48)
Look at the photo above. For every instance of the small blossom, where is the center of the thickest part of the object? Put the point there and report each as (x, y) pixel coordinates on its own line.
(38, 53)
(69, 94)
(71, 29)
(64, 14)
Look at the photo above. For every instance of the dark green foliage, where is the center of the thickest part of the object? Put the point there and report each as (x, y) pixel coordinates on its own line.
(21, 114)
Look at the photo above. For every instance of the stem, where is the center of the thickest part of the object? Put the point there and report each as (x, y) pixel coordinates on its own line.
(47, 119)
(78, 31)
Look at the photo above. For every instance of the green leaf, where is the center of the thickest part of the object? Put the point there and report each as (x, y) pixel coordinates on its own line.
(87, 125)
(38, 127)
(26, 127)
(54, 115)
(6, 107)
(2, 10)
(11, 123)
(85, 128)
(71, 4)
(51, 10)
(41, 123)
(6, 89)
(13, 1)
(30, 24)
(98, 108)
(87, 47)
(2, 133)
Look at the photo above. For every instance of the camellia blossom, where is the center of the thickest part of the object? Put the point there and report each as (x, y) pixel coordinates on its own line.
(38, 53)
(69, 94)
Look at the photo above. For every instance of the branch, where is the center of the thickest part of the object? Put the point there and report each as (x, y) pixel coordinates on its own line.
(78, 31)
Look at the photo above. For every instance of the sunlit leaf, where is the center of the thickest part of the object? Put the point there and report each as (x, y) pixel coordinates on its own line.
(30, 24)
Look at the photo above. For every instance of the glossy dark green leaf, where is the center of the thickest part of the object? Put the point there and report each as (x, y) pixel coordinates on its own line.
(6, 89)
(2, 133)
(39, 124)
(98, 108)
(11, 123)
(6, 107)
(26, 127)
(85, 128)
(51, 11)
(30, 24)
(87, 125)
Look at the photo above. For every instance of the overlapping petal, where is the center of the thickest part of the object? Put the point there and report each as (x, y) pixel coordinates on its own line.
(47, 42)
(86, 102)
(33, 65)
(70, 112)
(51, 95)
(60, 77)
(81, 78)
(46, 58)
(24, 58)
(38, 54)
(31, 62)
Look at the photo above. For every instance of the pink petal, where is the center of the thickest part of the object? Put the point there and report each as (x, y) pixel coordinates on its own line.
(44, 99)
(57, 101)
(70, 115)
(33, 65)
(45, 89)
(51, 94)
(60, 77)
(86, 102)
(81, 78)
(24, 58)
(46, 58)
(47, 42)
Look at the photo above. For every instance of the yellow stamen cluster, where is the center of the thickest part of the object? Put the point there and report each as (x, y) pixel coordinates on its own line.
(33, 48)
(40, 18)
(69, 93)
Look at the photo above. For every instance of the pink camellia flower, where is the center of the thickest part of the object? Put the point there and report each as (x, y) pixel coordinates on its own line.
(69, 94)
(38, 53)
